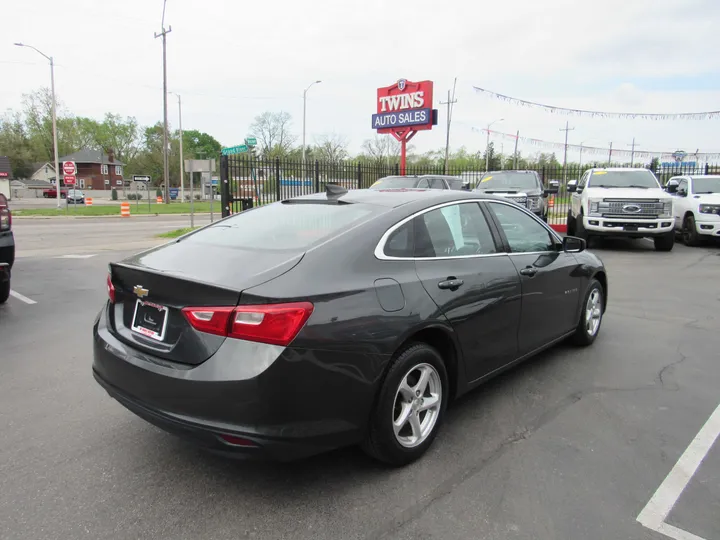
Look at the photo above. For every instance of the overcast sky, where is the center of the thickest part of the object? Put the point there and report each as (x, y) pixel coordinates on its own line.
(232, 60)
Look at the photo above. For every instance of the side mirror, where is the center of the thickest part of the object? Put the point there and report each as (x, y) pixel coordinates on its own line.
(672, 186)
(552, 189)
(681, 192)
(573, 244)
(572, 186)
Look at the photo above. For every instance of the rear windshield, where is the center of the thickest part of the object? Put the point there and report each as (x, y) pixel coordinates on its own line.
(285, 226)
(508, 180)
(391, 182)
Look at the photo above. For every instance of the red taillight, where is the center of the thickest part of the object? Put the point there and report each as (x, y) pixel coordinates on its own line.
(213, 320)
(276, 324)
(237, 441)
(110, 289)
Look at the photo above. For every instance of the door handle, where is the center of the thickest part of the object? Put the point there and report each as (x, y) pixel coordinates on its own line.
(528, 271)
(451, 283)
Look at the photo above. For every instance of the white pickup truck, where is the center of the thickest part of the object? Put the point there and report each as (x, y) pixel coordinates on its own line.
(621, 202)
(697, 207)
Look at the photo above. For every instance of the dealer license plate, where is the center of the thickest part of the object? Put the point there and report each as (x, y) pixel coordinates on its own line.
(632, 228)
(150, 320)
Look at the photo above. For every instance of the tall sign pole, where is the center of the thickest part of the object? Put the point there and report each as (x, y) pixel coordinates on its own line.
(566, 129)
(403, 109)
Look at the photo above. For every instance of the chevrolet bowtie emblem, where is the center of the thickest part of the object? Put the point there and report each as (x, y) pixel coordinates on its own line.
(140, 291)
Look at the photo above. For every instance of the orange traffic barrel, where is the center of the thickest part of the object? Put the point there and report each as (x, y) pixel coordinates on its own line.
(551, 201)
(125, 209)
(159, 199)
(88, 201)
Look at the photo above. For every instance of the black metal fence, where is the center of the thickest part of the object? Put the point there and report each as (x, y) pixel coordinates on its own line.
(247, 182)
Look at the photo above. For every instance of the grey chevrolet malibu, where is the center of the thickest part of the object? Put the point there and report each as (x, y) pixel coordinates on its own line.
(339, 318)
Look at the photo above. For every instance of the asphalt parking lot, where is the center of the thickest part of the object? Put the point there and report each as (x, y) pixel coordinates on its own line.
(573, 444)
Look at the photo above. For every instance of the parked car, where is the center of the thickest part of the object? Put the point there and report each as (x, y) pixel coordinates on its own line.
(51, 193)
(339, 318)
(7, 248)
(424, 181)
(75, 196)
(696, 208)
(523, 187)
(621, 202)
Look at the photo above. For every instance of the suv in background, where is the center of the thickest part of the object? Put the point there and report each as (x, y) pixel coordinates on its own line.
(7, 248)
(621, 202)
(423, 181)
(523, 187)
(75, 196)
(696, 207)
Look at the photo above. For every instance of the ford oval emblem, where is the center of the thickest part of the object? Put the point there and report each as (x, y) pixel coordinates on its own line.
(401, 84)
(631, 208)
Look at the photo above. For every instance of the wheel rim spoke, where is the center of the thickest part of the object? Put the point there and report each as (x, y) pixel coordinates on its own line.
(405, 413)
(429, 403)
(422, 384)
(416, 426)
(593, 312)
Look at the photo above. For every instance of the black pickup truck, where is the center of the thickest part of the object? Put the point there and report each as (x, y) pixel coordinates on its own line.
(7, 248)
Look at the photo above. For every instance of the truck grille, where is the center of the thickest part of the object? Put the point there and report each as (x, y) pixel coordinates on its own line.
(519, 200)
(644, 208)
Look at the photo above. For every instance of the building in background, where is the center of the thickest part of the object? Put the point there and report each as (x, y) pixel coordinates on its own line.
(96, 170)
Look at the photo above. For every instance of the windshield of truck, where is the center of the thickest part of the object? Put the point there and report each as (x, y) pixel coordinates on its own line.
(709, 184)
(642, 179)
(508, 180)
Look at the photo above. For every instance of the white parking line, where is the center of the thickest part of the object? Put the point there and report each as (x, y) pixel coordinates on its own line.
(76, 256)
(655, 513)
(22, 298)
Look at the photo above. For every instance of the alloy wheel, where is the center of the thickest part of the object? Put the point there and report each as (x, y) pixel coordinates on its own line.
(417, 405)
(593, 312)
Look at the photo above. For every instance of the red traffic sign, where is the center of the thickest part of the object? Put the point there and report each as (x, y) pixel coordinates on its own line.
(69, 168)
(69, 179)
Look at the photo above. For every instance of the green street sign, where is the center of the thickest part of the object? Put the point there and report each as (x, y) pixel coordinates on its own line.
(251, 141)
(240, 149)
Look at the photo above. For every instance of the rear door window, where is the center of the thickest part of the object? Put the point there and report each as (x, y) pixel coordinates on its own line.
(453, 231)
(285, 226)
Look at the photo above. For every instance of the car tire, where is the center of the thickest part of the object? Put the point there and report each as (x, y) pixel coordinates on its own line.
(591, 315)
(4, 291)
(664, 242)
(570, 224)
(690, 235)
(400, 446)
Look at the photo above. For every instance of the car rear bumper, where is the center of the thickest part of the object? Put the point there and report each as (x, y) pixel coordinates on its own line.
(627, 227)
(287, 403)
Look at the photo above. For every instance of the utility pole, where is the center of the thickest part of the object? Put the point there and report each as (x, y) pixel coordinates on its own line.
(610, 155)
(632, 152)
(566, 129)
(487, 144)
(166, 167)
(515, 155)
(449, 104)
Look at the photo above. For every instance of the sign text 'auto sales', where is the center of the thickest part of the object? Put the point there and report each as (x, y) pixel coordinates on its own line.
(404, 105)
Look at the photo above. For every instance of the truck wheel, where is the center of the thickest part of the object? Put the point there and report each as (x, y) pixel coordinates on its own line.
(580, 231)
(570, 224)
(665, 242)
(689, 233)
(4, 291)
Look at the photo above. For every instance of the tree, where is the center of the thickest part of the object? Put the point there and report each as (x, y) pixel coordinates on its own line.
(273, 133)
(331, 148)
(15, 143)
(382, 150)
(199, 145)
(493, 160)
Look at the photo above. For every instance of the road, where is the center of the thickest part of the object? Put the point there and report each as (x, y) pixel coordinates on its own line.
(571, 445)
(54, 237)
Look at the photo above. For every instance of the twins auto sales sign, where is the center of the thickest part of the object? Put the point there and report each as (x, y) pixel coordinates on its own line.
(404, 106)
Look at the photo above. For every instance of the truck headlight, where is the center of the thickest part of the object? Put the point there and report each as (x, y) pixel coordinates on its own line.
(709, 209)
(667, 210)
(533, 203)
(597, 206)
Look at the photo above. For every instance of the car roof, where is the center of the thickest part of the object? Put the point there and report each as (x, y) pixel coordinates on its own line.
(394, 197)
(421, 176)
(511, 170)
(634, 169)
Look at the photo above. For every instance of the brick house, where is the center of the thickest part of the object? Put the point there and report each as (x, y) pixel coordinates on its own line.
(96, 169)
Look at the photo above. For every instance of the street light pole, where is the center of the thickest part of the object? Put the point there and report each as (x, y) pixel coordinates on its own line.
(487, 144)
(182, 174)
(304, 116)
(54, 118)
(166, 167)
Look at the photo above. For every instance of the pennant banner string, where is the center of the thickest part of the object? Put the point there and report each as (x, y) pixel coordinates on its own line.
(597, 150)
(707, 115)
